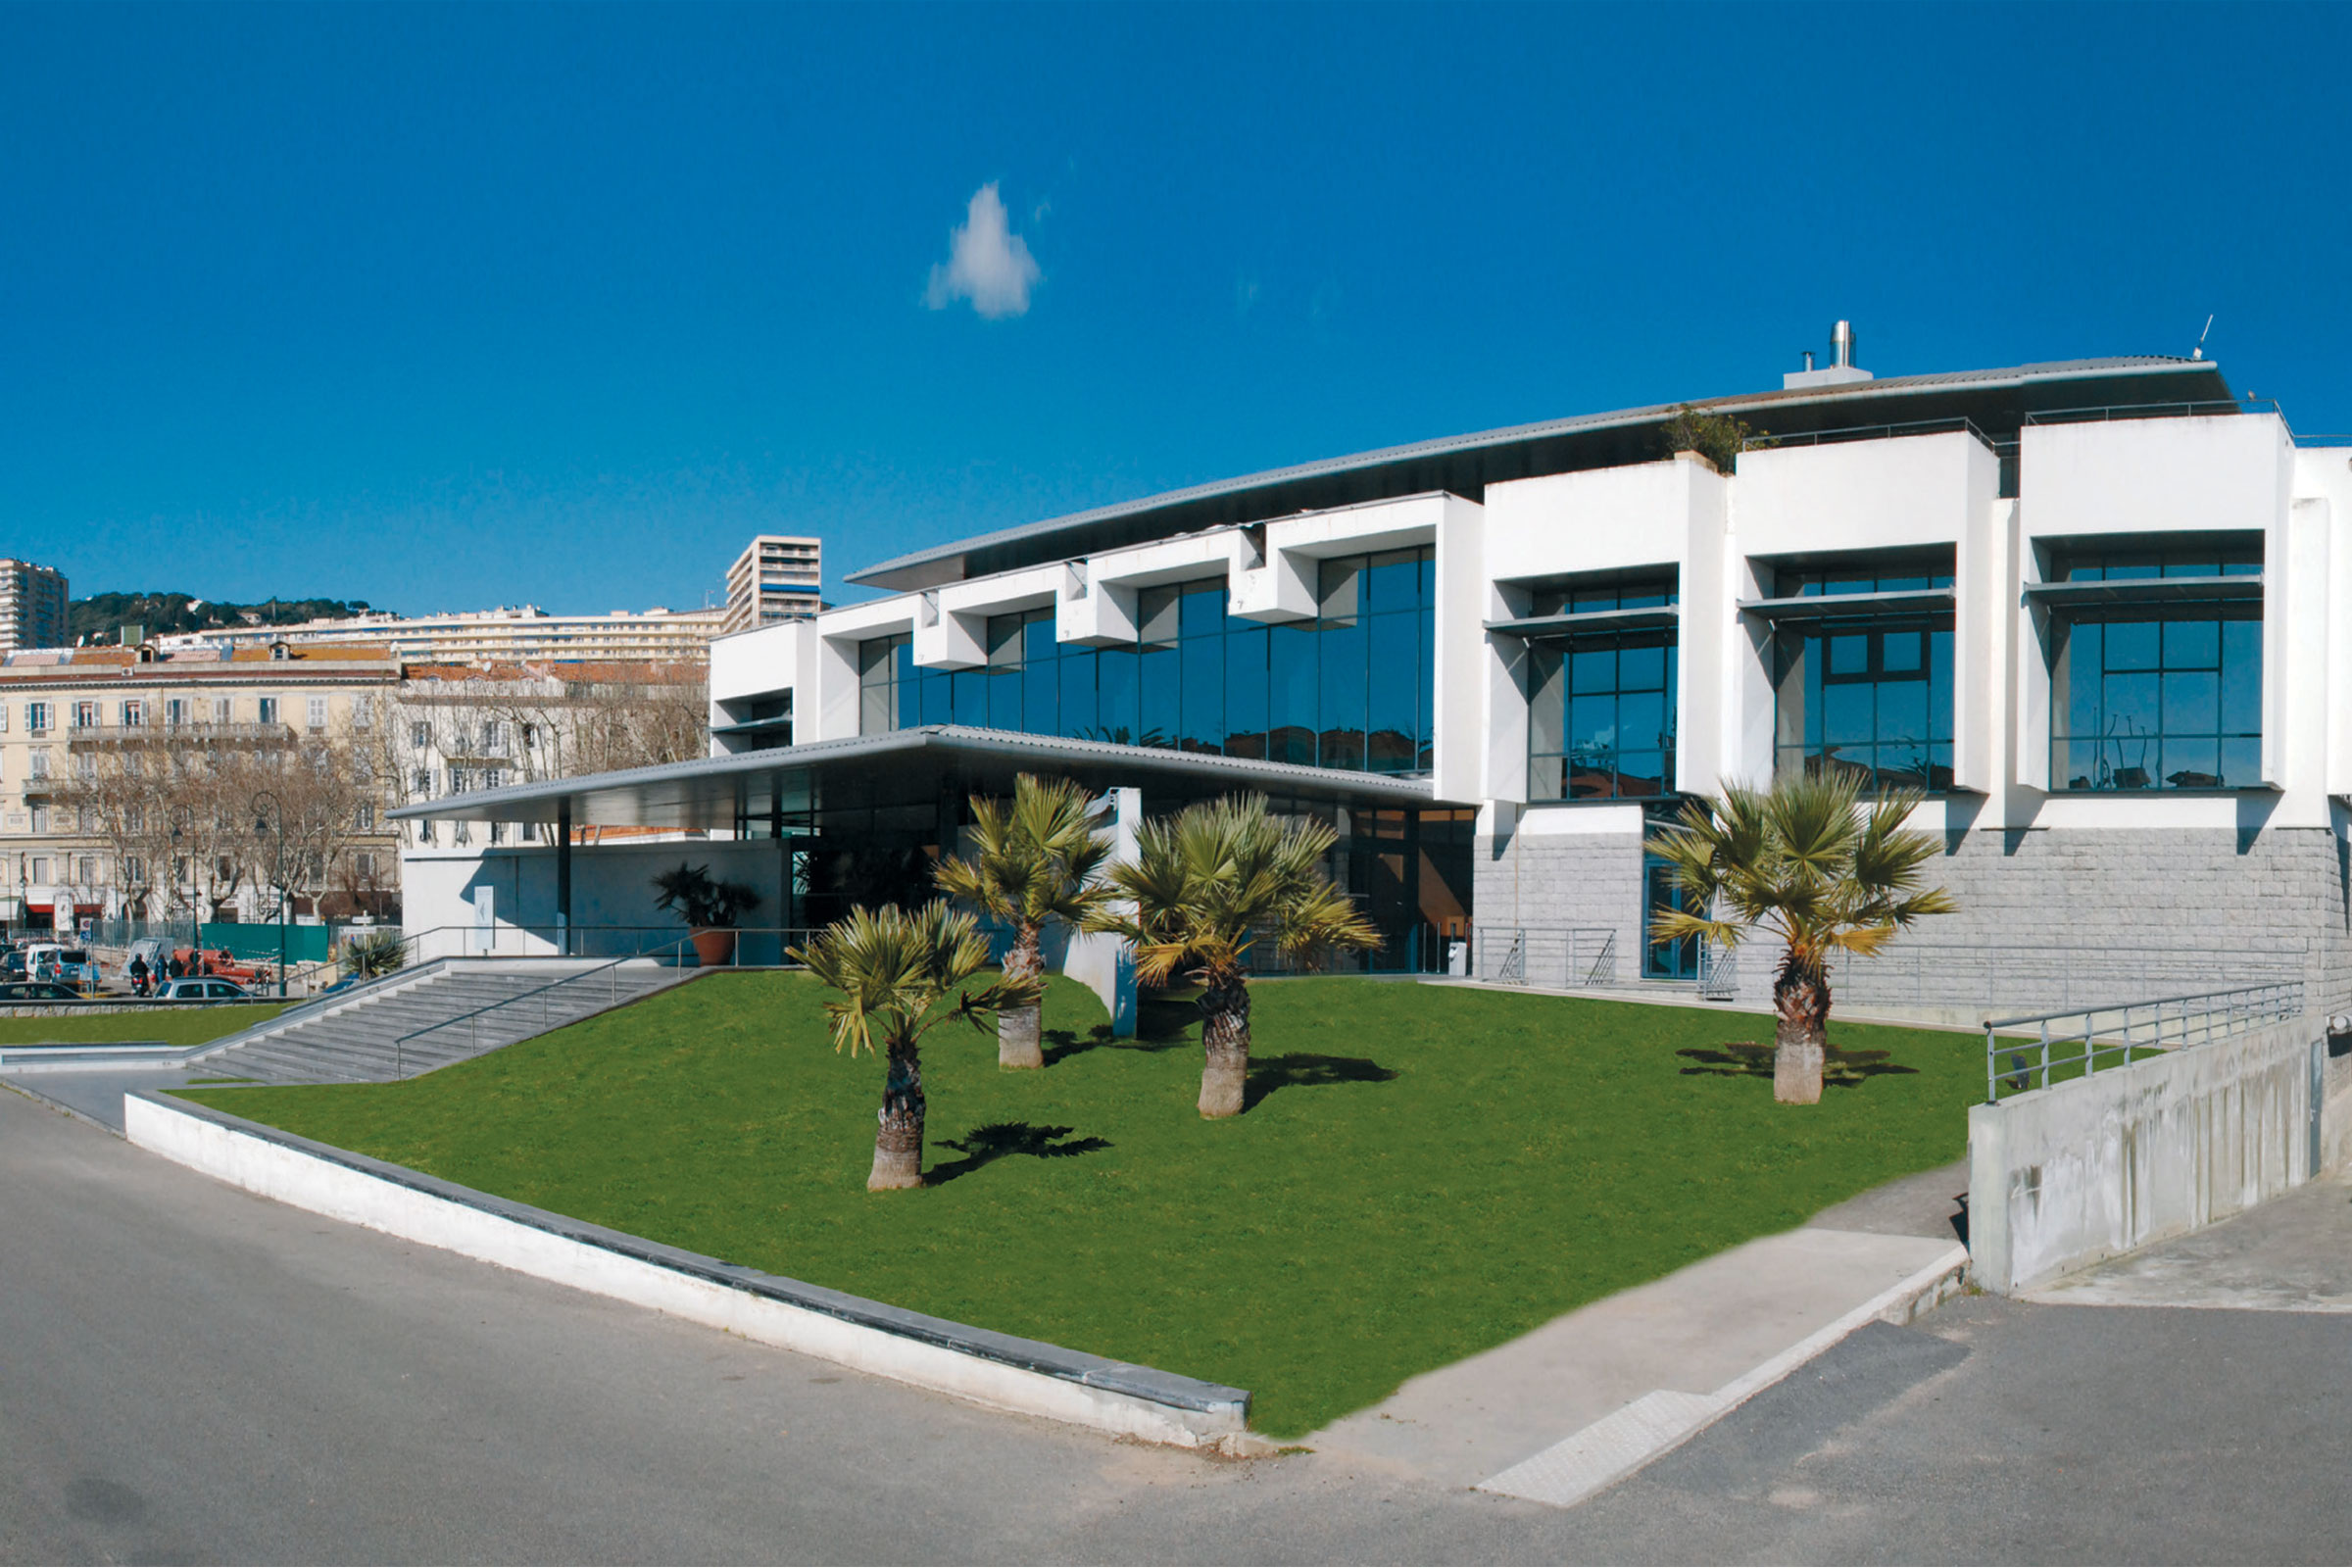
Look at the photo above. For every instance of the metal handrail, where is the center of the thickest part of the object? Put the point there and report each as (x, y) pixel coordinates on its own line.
(2198, 1018)
(472, 1019)
(2153, 411)
(1584, 956)
(1952, 424)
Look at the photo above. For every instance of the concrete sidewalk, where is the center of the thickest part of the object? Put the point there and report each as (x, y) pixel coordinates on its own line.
(1561, 1412)
(2290, 1254)
(95, 1094)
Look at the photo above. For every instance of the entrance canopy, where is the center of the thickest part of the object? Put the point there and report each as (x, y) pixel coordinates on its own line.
(776, 786)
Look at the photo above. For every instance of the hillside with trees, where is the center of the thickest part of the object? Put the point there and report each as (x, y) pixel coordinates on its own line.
(100, 618)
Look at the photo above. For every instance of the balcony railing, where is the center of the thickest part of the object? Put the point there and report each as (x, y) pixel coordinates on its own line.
(128, 734)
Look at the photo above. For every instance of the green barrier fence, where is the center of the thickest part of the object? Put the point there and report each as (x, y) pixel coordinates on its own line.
(305, 944)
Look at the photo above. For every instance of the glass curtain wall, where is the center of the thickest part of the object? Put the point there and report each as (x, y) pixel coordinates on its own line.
(1351, 689)
(1600, 716)
(2163, 694)
(1870, 693)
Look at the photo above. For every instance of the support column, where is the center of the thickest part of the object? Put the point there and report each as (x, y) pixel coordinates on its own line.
(563, 878)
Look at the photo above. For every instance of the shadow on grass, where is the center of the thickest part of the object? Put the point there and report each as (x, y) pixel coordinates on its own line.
(1161, 1024)
(1841, 1069)
(984, 1144)
(1301, 1069)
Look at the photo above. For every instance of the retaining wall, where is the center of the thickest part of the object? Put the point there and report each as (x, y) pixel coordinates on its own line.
(2060, 1177)
(978, 1364)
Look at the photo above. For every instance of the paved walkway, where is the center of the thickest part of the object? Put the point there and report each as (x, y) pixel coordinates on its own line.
(96, 1093)
(1558, 1413)
(2290, 1254)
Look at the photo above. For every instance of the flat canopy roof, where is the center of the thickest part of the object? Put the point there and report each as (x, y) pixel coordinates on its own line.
(709, 792)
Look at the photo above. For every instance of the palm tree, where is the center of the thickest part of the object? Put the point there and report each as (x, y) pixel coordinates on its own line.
(1035, 861)
(1206, 886)
(894, 971)
(1808, 864)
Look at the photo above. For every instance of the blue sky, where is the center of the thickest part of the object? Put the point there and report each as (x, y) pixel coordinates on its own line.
(457, 305)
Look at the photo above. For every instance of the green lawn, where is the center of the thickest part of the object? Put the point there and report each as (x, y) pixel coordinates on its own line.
(1424, 1171)
(170, 1024)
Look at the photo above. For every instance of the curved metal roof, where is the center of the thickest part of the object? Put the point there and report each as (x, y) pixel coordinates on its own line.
(1996, 399)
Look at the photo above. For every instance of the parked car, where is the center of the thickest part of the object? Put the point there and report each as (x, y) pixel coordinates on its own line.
(50, 960)
(39, 991)
(12, 965)
(202, 991)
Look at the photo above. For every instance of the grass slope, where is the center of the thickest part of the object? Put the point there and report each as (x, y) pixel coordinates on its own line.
(173, 1026)
(1423, 1171)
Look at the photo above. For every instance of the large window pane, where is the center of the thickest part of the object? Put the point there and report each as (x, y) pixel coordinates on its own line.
(1394, 697)
(1293, 683)
(2161, 695)
(1077, 685)
(1245, 690)
(1204, 690)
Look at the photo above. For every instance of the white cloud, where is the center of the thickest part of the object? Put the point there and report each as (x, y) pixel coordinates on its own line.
(986, 263)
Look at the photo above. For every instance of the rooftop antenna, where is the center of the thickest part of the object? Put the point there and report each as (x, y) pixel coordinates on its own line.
(2198, 352)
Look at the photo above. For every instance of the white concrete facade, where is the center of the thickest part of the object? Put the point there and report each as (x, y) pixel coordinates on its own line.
(2118, 887)
(2141, 478)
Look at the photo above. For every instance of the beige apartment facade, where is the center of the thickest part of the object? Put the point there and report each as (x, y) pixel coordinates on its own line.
(145, 785)
(778, 577)
(521, 634)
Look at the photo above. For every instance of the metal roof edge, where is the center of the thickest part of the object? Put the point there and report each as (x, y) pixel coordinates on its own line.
(479, 805)
(1797, 397)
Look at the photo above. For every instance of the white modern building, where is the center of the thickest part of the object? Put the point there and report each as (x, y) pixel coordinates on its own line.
(2100, 612)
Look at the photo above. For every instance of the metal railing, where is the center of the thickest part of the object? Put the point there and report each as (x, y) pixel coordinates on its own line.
(504, 939)
(1951, 426)
(2116, 1030)
(1915, 973)
(1558, 957)
(1717, 972)
(2151, 410)
(543, 995)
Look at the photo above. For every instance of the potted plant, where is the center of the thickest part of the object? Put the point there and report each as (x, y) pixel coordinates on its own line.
(709, 907)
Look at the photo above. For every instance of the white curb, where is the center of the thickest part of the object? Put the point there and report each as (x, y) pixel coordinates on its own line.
(1664, 1420)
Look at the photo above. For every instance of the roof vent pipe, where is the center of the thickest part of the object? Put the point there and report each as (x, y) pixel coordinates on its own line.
(1841, 345)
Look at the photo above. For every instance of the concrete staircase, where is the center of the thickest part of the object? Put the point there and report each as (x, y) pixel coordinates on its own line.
(370, 1035)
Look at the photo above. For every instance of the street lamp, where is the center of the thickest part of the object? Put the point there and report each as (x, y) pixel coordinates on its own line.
(261, 824)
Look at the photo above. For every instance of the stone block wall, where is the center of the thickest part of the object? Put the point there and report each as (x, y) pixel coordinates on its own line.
(1557, 883)
(2048, 918)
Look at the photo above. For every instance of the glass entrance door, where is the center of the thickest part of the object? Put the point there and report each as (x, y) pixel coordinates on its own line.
(1670, 961)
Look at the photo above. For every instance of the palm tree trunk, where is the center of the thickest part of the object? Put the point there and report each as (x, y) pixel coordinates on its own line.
(899, 1134)
(1018, 1029)
(1225, 1045)
(1800, 996)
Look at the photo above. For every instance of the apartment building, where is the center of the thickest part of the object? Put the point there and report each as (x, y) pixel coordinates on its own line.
(518, 635)
(2096, 611)
(32, 605)
(458, 728)
(140, 783)
(776, 578)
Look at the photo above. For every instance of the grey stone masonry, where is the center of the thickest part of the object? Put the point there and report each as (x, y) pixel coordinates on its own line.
(1553, 884)
(2048, 918)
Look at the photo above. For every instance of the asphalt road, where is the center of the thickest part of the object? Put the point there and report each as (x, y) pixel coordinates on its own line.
(190, 1373)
